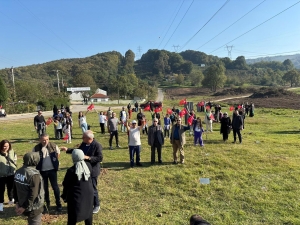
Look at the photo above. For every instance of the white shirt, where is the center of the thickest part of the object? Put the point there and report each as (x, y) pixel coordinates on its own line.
(102, 119)
(134, 136)
(82, 120)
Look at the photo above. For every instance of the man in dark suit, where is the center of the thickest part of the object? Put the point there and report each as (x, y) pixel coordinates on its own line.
(155, 140)
(93, 154)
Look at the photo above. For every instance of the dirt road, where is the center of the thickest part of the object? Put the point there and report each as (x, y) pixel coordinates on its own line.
(160, 95)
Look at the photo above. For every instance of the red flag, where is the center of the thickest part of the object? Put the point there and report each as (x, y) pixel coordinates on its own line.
(231, 108)
(212, 116)
(181, 114)
(66, 137)
(169, 111)
(184, 111)
(147, 108)
(200, 104)
(190, 120)
(207, 107)
(0, 106)
(182, 102)
(158, 109)
(91, 107)
(239, 107)
(49, 121)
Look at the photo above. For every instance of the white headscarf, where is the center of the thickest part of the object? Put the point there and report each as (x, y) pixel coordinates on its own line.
(81, 169)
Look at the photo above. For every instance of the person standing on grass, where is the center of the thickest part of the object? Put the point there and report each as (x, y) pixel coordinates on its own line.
(198, 131)
(134, 133)
(177, 140)
(48, 167)
(102, 121)
(237, 126)
(7, 171)
(123, 119)
(39, 123)
(225, 126)
(109, 115)
(155, 140)
(208, 120)
(82, 121)
(140, 117)
(93, 154)
(167, 126)
(78, 190)
(113, 123)
(29, 189)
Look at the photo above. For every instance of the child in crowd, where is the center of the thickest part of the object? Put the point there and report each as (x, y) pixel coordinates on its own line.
(67, 131)
(198, 130)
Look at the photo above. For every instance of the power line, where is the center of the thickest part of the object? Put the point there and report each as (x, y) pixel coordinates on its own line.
(205, 24)
(49, 29)
(257, 26)
(171, 23)
(176, 48)
(179, 23)
(231, 24)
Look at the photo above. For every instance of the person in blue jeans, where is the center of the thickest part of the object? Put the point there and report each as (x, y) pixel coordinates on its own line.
(82, 121)
(134, 134)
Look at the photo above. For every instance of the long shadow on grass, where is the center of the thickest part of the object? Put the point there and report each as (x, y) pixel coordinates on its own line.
(126, 165)
(285, 132)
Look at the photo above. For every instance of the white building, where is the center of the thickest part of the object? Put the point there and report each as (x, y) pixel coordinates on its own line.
(99, 98)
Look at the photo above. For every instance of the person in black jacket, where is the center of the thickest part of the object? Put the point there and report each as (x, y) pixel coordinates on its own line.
(237, 126)
(78, 190)
(93, 154)
(225, 126)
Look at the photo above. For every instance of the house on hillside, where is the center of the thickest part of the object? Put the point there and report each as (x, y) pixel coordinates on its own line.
(76, 96)
(99, 98)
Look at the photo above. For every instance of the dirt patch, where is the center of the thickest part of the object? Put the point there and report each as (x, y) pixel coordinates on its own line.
(262, 97)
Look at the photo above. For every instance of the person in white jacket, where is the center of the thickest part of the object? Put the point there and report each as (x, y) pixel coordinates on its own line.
(208, 120)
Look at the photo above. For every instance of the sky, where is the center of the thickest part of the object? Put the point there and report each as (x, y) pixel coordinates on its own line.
(35, 31)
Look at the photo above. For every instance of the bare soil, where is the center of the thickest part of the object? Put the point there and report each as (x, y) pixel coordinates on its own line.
(261, 97)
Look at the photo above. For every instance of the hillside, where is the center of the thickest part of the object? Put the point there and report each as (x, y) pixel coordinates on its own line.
(280, 58)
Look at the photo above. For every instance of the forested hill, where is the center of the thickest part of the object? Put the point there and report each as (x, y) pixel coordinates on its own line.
(280, 58)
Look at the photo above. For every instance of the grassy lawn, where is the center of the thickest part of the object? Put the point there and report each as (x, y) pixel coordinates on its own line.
(257, 182)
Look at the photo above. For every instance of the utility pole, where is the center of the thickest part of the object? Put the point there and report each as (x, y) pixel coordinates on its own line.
(176, 47)
(13, 81)
(229, 49)
(58, 88)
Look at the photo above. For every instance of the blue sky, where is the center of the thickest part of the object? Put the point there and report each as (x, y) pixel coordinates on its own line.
(34, 31)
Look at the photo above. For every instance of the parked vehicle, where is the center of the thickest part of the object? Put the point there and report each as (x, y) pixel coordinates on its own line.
(153, 103)
(2, 113)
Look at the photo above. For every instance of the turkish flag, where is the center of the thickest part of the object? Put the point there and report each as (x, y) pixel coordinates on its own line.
(231, 108)
(91, 107)
(184, 111)
(182, 102)
(49, 121)
(207, 107)
(66, 137)
(169, 111)
(200, 104)
(158, 109)
(239, 107)
(147, 108)
(190, 120)
(212, 116)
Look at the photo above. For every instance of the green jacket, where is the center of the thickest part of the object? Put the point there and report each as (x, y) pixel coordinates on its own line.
(7, 167)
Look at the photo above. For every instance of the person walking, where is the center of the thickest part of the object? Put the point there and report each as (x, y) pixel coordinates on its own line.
(225, 126)
(93, 154)
(29, 189)
(82, 121)
(39, 123)
(7, 171)
(134, 134)
(102, 121)
(237, 126)
(113, 123)
(48, 167)
(78, 190)
(155, 140)
(177, 140)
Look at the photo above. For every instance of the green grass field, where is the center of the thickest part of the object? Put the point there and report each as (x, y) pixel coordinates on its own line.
(257, 182)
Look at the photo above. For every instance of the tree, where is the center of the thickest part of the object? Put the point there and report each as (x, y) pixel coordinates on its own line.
(179, 79)
(129, 62)
(196, 78)
(3, 92)
(214, 76)
(288, 64)
(292, 76)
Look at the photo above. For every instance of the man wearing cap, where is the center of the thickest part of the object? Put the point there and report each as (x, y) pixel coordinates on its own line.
(177, 140)
(155, 140)
(134, 133)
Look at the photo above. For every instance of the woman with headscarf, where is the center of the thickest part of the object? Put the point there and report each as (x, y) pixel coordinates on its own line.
(78, 190)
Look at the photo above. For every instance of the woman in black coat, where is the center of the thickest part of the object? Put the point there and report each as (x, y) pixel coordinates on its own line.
(78, 190)
(225, 126)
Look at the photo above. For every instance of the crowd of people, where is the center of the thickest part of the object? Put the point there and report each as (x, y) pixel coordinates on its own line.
(28, 186)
